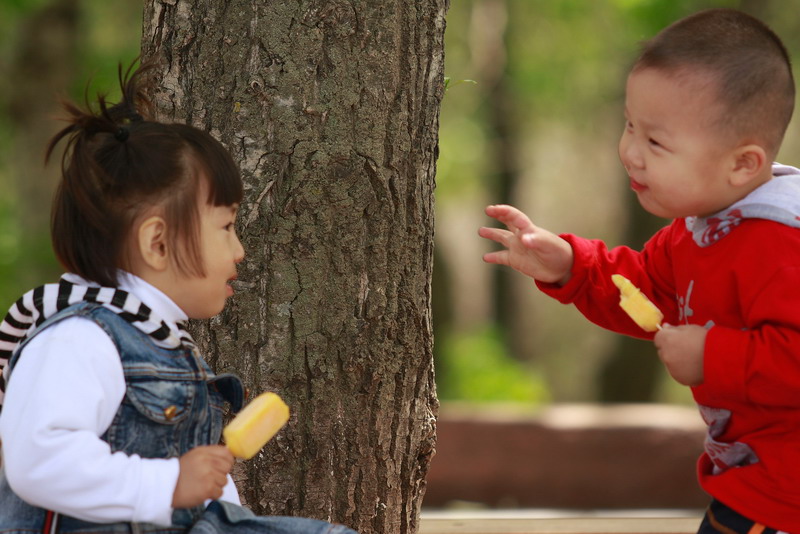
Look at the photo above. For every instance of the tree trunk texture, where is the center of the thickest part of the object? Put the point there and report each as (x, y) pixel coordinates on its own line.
(331, 109)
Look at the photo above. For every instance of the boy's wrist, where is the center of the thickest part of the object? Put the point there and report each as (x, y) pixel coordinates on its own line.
(565, 279)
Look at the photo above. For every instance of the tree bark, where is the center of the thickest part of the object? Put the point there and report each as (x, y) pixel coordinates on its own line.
(331, 109)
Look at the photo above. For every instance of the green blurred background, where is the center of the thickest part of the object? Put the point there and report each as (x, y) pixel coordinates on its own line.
(531, 116)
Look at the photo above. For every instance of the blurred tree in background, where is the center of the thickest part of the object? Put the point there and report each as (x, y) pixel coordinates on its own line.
(48, 50)
(538, 128)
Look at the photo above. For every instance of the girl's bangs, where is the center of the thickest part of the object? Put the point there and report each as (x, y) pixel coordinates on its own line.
(224, 181)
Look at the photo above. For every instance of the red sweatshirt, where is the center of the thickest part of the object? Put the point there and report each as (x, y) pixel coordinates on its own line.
(744, 287)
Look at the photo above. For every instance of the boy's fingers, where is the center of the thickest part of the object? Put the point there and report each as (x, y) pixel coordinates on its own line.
(513, 218)
(495, 234)
(517, 222)
(495, 209)
(500, 257)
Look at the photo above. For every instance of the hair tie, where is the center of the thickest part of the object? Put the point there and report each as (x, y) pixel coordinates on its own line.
(122, 134)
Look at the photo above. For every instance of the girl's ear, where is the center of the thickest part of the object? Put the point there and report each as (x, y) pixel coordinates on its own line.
(152, 242)
(750, 164)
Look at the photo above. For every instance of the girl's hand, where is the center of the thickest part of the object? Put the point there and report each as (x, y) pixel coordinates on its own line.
(531, 250)
(681, 350)
(203, 475)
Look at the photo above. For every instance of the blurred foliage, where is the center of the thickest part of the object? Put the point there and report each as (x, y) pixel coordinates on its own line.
(107, 33)
(111, 35)
(476, 367)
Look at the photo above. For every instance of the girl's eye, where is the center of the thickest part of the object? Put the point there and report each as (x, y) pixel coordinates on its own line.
(654, 143)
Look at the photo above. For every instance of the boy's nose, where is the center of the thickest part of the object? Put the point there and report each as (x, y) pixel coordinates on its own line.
(630, 156)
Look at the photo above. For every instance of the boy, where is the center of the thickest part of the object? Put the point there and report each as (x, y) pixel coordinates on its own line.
(707, 104)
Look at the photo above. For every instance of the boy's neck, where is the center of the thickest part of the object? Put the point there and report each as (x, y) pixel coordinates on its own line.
(763, 177)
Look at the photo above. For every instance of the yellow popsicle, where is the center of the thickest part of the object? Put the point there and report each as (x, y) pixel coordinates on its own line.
(255, 425)
(643, 312)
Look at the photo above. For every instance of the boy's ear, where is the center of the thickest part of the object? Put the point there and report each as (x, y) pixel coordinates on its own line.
(749, 164)
(152, 241)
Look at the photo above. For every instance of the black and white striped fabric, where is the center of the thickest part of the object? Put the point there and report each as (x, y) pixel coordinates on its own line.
(35, 306)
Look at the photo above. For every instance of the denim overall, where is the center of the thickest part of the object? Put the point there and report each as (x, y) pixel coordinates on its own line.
(172, 404)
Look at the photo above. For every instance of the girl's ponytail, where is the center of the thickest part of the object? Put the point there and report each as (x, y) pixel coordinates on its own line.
(91, 199)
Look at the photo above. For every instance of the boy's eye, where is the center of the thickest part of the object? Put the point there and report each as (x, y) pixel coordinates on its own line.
(654, 143)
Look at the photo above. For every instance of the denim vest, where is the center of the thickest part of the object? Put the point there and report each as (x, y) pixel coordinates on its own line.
(173, 403)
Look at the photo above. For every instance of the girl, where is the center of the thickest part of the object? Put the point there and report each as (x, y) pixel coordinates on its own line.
(112, 419)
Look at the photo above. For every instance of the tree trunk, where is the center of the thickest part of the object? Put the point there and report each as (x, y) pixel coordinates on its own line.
(331, 109)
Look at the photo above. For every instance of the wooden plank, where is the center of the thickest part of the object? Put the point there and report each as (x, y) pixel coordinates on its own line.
(650, 525)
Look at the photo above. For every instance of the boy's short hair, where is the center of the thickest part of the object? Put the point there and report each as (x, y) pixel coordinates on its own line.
(747, 59)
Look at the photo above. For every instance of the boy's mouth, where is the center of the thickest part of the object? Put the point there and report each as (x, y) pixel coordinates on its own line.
(636, 186)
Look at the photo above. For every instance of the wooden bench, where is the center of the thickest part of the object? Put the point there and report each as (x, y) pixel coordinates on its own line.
(521, 523)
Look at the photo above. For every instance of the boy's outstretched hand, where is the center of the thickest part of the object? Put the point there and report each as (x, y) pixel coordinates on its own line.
(529, 249)
(203, 475)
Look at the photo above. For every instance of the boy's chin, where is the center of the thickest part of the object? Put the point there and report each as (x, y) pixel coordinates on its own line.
(657, 210)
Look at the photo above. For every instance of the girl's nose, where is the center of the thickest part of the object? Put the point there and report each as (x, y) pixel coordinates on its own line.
(238, 252)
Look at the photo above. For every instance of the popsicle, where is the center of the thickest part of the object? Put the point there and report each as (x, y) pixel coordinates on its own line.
(255, 425)
(643, 312)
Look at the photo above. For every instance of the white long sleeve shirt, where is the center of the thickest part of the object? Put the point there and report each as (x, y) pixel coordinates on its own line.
(62, 397)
